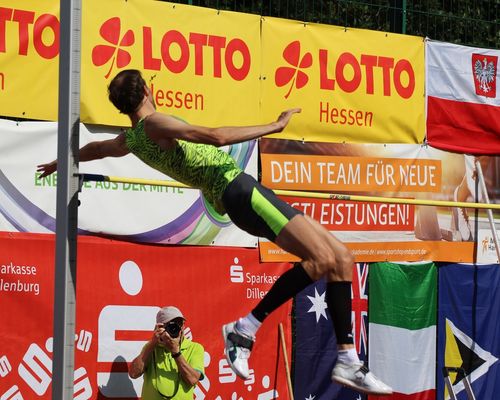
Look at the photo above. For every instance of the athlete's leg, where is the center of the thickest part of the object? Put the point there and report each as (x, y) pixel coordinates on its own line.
(460, 216)
(322, 255)
(257, 210)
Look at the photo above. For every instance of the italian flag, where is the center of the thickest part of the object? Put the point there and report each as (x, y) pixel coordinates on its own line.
(402, 314)
(463, 98)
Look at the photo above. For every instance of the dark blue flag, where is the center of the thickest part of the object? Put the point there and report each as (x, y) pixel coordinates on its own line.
(469, 328)
(315, 344)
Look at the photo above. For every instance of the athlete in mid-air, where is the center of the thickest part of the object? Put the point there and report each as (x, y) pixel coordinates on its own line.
(190, 154)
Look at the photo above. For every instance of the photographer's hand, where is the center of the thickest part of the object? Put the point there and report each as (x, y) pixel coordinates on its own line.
(171, 344)
(137, 365)
(157, 333)
(186, 371)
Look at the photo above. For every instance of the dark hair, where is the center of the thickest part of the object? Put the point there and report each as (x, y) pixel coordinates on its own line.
(126, 90)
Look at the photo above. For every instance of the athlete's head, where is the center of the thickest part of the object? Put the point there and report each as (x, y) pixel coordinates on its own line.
(126, 91)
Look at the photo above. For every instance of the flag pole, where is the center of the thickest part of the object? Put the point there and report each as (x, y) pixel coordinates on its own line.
(285, 357)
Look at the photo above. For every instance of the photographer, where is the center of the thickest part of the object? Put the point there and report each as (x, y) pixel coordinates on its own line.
(172, 364)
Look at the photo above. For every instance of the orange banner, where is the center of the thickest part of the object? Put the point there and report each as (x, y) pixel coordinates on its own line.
(391, 251)
(378, 231)
(356, 216)
(332, 173)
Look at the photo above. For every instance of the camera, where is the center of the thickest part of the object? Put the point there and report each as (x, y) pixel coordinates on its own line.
(173, 329)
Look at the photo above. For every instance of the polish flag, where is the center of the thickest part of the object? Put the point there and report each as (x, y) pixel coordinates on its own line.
(463, 98)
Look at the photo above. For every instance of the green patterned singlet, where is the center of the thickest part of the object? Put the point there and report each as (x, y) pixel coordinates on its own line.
(200, 166)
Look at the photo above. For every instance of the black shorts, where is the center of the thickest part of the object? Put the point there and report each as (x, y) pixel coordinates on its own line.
(255, 208)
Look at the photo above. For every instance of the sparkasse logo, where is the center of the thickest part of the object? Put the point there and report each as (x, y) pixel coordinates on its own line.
(236, 272)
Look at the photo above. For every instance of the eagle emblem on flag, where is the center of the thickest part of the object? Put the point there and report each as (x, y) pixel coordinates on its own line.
(484, 68)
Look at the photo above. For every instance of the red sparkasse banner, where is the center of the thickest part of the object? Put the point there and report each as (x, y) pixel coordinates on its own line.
(120, 288)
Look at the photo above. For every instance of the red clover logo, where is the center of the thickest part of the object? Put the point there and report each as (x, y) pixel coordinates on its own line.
(293, 73)
(102, 53)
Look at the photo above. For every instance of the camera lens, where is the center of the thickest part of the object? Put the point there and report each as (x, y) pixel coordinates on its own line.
(173, 329)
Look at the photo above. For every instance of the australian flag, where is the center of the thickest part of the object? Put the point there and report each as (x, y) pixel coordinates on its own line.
(315, 344)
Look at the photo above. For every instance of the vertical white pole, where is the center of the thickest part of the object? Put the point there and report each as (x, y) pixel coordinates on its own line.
(67, 200)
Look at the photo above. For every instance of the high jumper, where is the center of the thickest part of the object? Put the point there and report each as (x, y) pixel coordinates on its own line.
(190, 154)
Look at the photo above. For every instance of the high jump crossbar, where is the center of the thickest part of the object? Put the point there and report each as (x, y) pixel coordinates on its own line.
(293, 193)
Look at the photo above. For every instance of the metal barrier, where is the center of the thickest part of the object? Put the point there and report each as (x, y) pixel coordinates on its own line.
(468, 22)
(465, 381)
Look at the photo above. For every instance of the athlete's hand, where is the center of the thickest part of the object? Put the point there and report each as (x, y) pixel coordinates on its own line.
(46, 169)
(284, 118)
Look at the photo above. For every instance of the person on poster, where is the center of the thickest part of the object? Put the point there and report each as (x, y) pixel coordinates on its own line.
(190, 154)
(171, 364)
(468, 187)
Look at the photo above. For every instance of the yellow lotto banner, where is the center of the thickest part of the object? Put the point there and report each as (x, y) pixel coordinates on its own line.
(29, 58)
(201, 64)
(216, 67)
(352, 85)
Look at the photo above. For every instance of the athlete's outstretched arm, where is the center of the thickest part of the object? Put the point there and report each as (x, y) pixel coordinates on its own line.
(92, 151)
(163, 127)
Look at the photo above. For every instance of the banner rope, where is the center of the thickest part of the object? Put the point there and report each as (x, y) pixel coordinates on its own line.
(294, 193)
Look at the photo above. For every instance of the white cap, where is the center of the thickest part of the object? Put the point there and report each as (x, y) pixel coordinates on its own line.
(167, 314)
